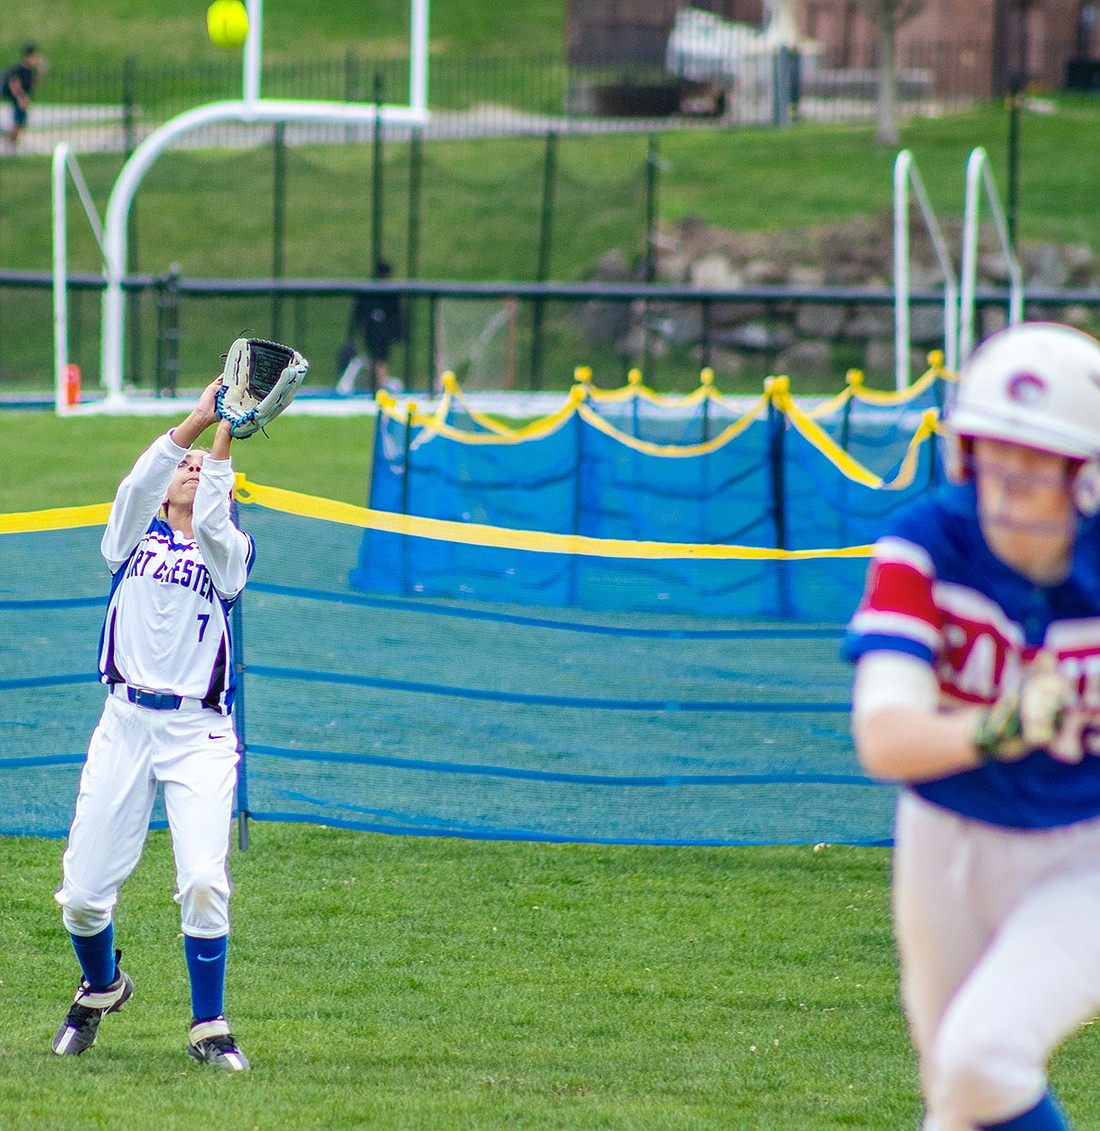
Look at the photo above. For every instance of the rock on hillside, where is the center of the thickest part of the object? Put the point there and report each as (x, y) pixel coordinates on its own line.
(818, 339)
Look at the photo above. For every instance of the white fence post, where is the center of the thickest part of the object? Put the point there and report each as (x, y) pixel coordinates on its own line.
(979, 176)
(906, 177)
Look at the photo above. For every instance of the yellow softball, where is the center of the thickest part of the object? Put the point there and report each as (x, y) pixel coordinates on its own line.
(227, 23)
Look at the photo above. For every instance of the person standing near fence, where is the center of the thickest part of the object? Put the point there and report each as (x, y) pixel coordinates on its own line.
(376, 321)
(178, 563)
(17, 84)
(977, 686)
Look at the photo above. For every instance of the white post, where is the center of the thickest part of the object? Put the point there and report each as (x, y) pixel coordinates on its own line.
(902, 165)
(906, 177)
(418, 62)
(970, 252)
(60, 280)
(979, 176)
(253, 51)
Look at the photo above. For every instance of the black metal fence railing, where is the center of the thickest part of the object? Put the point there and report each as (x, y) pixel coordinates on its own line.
(523, 336)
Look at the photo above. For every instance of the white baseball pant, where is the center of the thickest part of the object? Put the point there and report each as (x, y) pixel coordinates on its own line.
(998, 935)
(192, 752)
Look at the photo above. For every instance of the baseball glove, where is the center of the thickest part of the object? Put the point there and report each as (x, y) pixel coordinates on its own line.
(259, 380)
(1028, 716)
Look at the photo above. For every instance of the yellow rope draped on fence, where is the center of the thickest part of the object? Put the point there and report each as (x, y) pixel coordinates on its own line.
(855, 389)
(776, 393)
(466, 533)
(539, 541)
(61, 518)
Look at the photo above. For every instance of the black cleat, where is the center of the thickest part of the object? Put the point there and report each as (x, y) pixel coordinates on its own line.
(81, 1025)
(211, 1042)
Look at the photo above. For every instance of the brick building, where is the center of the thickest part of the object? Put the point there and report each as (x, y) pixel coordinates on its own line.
(978, 48)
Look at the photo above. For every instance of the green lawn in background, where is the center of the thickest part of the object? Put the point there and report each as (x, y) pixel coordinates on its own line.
(51, 461)
(482, 196)
(74, 34)
(481, 222)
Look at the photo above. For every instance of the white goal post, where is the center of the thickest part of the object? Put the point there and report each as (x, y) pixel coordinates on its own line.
(65, 165)
(475, 339)
(250, 109)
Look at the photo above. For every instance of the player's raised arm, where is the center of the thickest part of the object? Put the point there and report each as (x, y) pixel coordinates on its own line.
(200, 417)
(226, 549)
(145, 489)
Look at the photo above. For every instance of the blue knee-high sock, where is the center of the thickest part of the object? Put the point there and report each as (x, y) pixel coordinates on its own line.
(96, 955)
(1044, 1116)
(206, 967)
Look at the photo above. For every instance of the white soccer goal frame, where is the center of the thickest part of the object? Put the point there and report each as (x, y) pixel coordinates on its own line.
(960, 297)
(250, 109)
(500, 322)
(65, 164)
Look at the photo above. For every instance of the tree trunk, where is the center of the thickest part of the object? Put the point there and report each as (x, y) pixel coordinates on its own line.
(887, 132)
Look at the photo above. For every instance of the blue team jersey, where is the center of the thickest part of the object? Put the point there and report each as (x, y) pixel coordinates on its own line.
(937, 592)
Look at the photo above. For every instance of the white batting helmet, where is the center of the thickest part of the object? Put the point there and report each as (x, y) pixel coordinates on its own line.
(1037, 383)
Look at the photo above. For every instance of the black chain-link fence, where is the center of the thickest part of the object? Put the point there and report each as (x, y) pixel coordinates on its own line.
(113, 109)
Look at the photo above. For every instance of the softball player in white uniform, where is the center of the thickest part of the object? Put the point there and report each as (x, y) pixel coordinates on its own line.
(178, 563)
(977, 646)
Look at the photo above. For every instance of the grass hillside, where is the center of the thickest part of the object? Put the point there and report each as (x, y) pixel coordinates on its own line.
(748, 178)
(74, 33)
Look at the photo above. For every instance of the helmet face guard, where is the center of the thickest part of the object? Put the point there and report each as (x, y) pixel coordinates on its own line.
(1036, 384)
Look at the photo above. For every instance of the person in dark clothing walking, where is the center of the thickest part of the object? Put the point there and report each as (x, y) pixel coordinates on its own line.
(376, 322)
(17, 84)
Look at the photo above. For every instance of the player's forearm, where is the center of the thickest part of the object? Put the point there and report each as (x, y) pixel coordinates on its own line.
(225, 549)
(223, 438)
(911, 745)
(193, 426)
(139, 497)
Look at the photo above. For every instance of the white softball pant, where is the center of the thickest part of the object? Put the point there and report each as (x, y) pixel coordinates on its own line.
(998, 934)
(193, 753)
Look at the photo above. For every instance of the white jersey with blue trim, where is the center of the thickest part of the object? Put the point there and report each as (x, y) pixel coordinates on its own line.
(167, 621)
(937, 592)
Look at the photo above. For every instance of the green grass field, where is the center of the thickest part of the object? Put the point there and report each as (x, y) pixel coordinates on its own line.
(415, 984)
(403, 983)
(77, 461)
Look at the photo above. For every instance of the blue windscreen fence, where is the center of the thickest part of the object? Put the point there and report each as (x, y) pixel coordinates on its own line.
(727, 496)
(500, 645)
